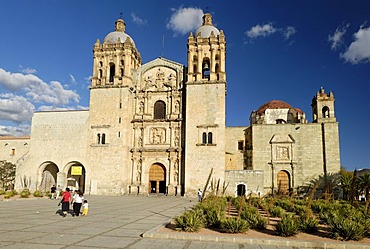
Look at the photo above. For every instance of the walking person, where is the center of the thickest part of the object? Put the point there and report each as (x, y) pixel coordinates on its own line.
(86, 208)
(58, 191)
(200, 194)
(77, 202)
(53, 192)
(66, 200)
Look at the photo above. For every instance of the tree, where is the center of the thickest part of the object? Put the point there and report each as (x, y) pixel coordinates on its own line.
(7, 175)
(326, 184)
(346, 183)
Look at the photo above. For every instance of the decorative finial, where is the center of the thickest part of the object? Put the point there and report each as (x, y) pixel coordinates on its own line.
(120, 15)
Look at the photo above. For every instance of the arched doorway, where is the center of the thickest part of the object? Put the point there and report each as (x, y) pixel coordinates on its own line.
(157, 179)
(283, 182)
(241, 190)
(49, 176)
(76, 177)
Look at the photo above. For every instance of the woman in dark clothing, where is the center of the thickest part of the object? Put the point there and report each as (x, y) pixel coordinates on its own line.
(66, 200)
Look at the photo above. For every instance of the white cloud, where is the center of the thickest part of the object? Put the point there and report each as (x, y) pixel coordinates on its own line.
(336, 39)
(288, 32)
(27, 70)
(184, 20)
(36, 89)
(268, 29)
(359, 50)
(72, 79)
(138, 20)
(15, 108)
(19, 130)
(261, 30)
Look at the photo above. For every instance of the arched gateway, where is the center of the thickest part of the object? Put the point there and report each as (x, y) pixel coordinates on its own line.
(157, 179)
(283, 182)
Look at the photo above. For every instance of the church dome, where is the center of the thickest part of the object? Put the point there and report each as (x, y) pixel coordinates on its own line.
(112, 37)
(207, 28)
(273, 104)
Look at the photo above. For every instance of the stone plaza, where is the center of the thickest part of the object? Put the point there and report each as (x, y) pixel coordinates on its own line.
(119, 222)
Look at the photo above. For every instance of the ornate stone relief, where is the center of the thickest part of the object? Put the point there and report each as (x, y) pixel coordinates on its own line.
(159, 78)
(157, 135)
(282, 153)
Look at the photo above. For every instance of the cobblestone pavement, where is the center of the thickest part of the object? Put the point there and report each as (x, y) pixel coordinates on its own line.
(112, 222)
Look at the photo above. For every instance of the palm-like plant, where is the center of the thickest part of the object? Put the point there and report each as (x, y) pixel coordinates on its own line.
(345, 183)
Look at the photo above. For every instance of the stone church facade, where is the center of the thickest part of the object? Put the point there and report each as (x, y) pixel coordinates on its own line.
(159, 128)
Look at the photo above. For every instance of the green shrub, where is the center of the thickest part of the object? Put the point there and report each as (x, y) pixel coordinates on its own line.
(234, 225)
(347, 227)
(277, 211)
(255, 220)
(14, 192)
(2, 191)
(286, 204)
(300, 209)
(9, 193)
(308, 223)
(38, 193)
(287, 226)
(25, 193)
(213, 210)
(190, 221)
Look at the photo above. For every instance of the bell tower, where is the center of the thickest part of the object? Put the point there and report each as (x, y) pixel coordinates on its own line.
(323, 107)
(111, 112)
(205, 106)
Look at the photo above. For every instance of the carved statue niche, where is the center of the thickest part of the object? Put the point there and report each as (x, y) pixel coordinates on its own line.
(138, 171)
(141, 107)
(158, 135)
(177, 107)
(149, 83)
(177, 136)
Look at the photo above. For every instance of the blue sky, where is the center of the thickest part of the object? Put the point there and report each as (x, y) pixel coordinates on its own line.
(282, 50)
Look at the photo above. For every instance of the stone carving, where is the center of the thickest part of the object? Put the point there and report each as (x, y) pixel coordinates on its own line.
(282, 153)
(177, 107)
(176, 171)
(138, 172)
(177, 137)
(140, 142)
(158, 135)
(159, 78)
(141, 107)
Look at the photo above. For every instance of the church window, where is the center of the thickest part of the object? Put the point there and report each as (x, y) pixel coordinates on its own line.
(204, 138)
(119, 120)
(240, 145)
(119, 134)
(325, 112)
(111, 72)
(100, 74)
(100, 64)
(98, 142)
(103, 138)
(195, 72)
(13, 152)
(159, 110)
(210, 137)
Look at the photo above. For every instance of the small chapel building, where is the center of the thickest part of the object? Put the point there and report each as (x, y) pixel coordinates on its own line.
(159, 128)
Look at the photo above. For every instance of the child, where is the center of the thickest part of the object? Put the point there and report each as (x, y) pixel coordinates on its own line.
(86, 208)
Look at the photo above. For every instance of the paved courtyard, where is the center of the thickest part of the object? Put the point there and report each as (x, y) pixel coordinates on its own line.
(112, 222)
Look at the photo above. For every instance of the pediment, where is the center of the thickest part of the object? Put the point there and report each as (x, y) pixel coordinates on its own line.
(282, 138)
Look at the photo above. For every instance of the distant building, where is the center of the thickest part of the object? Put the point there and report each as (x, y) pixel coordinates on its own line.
(159, 127)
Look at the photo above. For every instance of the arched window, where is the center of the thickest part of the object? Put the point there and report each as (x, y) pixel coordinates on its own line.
(100, 64)
(121, 72)
(100, 74)
(210, 137)
(280, 121)
(112, 70)
(195, 72)
(159, 110)
(206, 69)
(103, 138)
(325, 112)
(204, 138)
(98, 142)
